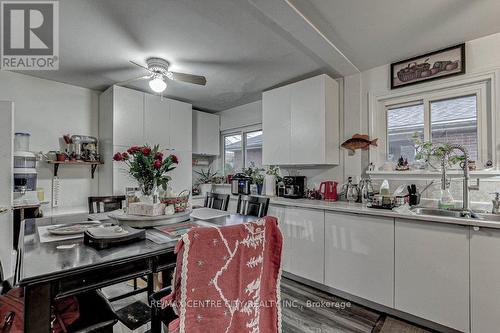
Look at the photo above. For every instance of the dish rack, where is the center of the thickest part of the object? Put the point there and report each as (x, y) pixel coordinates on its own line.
(180, 202)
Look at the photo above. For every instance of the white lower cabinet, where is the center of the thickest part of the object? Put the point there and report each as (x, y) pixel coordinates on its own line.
(485, 280)
(359, 256)
(303, 243)
(277, 211)
(432, 272)
(232, 206)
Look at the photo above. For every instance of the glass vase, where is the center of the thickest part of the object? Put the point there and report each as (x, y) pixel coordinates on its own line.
(149, 192)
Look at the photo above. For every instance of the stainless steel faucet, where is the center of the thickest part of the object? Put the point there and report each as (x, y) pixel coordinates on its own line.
(466, 211)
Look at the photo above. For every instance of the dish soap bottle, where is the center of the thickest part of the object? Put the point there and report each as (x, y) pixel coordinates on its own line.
(384, 188)
(446, 200)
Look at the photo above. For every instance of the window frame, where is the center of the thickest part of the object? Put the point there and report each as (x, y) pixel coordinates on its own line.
(480, 88)
(240, 131)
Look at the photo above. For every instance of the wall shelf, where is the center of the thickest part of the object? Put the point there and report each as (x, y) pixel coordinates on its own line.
(424, 174)
(93, 165)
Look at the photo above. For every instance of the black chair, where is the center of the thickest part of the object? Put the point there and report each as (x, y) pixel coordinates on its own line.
(252, 205)
(217, 201)
(105, 204)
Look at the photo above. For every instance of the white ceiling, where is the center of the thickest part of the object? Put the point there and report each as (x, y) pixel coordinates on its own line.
(239, 50)
(244, 48)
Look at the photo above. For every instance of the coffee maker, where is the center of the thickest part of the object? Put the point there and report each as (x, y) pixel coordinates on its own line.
(294, 187)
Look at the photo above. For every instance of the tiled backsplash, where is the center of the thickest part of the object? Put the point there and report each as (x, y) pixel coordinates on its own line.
(480, 200)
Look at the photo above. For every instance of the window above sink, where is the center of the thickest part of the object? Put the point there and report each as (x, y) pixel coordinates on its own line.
(457, 112)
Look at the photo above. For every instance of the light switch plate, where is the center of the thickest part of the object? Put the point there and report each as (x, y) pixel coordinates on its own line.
(56, 189)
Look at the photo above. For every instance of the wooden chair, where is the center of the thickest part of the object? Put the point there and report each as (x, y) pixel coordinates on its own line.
(217, 201)
(105, 204)
(161, 315)
(252, 205)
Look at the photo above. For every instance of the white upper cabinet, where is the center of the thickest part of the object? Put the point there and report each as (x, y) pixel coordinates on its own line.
(206, 133)
(301, 123)
(432, 272)
(276, 126)
(156, 121)
(128, 116)
(180, 129)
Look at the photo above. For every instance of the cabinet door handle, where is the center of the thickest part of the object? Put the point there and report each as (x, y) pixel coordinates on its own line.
(3, 210)
(475, 228)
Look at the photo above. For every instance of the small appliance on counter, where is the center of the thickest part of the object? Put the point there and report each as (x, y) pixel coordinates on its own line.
(25, 175)
(294, 187)
(240, 184)
(328, 190)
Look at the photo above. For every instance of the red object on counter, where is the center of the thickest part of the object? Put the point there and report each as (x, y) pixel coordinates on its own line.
(328, 190)
(61, 157)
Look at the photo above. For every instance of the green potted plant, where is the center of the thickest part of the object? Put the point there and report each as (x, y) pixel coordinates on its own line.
(256, 174)
(206, 179)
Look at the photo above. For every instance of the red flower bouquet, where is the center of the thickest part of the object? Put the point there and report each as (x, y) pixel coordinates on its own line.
(148, 166)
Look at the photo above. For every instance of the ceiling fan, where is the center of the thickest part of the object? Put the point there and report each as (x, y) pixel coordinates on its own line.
(159, 73)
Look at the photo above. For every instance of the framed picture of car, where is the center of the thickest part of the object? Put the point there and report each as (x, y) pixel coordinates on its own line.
(431, 66)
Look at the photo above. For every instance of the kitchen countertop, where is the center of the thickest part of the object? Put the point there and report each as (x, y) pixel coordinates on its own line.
(64, 210)
(357, 208)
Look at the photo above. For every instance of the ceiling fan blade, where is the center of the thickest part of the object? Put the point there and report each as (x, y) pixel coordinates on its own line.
(134, 79)
(139, 65)
(190, 78)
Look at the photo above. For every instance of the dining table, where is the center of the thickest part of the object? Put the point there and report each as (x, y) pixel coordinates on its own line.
(52, 270)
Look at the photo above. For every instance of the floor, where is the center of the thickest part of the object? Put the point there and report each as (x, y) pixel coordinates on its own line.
(307, 310)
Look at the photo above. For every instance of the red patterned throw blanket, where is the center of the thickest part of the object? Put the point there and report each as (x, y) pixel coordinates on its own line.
(227, 279)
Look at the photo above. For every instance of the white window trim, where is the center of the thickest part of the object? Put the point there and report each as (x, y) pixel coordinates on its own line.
(239, 131)
(481, 84)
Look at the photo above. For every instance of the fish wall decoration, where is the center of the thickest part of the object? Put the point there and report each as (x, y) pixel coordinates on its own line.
(359, 141)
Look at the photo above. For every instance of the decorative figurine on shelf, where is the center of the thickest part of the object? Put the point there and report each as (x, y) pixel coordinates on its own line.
(403, 164)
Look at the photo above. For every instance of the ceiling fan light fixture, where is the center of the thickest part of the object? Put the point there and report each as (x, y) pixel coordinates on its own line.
(157, 84)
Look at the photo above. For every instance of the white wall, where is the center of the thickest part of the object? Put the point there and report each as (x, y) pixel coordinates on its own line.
(47, 110)
(481, 56)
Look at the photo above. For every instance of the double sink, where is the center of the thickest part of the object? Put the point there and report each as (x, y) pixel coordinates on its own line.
(455, 214)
